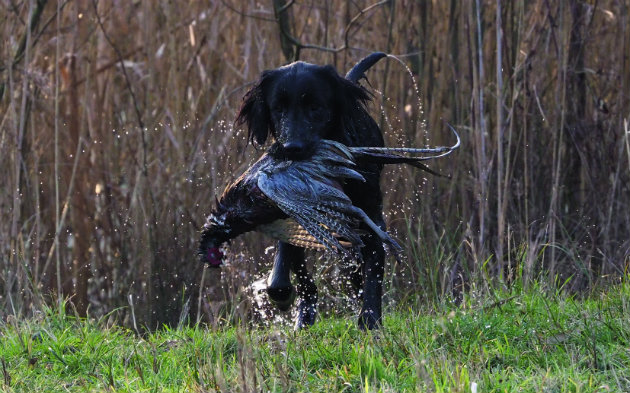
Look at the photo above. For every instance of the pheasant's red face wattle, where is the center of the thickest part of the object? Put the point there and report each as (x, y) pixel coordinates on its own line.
(214, 257)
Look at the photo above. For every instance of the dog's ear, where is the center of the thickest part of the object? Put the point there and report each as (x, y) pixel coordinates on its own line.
(349, 93)
(351, 102)
(255, 112)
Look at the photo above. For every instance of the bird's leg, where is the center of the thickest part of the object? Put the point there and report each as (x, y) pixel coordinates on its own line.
(280, 290)
(373, 270)
(307, 291)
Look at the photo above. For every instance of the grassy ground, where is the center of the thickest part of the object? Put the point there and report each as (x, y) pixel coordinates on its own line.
(512, 342)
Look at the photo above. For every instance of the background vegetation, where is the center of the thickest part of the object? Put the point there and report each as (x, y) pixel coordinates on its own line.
(116, 133)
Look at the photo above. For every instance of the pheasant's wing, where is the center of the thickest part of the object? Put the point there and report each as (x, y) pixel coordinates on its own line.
(310, 193)
(307, 201)
(336, 233)
(331, 220)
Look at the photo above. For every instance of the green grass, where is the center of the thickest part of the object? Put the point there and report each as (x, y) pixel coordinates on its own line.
(515, 342)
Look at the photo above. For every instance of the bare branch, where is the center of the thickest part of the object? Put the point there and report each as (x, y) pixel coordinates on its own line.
(346, 31)
(122, 67)
(232, 8)
(296, 42)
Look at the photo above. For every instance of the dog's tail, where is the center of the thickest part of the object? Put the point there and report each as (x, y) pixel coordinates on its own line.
(358, 71)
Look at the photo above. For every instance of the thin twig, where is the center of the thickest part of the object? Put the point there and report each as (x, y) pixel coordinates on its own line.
(58, 217)
(390, 28)
(626, 129)
(297, 43)
(152, 217)
(122, 67)
(359, 15)
(49, 21)
(483, 164)
(247, 15)
(61, 219)
(35, 16)
(201, 284)
(500, 159)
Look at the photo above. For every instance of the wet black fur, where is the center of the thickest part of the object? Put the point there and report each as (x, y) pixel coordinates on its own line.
(296, 106)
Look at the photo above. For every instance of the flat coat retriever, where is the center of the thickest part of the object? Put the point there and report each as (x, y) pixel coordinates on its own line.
(298, 105)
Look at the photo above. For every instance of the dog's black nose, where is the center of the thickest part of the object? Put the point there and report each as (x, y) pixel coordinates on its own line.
(294, 149)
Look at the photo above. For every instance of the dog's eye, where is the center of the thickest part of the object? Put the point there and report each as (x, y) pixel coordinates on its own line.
(278, 109)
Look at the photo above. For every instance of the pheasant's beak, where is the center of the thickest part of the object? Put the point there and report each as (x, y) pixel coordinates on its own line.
(214, 257)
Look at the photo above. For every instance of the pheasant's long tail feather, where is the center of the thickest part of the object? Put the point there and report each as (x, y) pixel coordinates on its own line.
(387, 159)
(394, 155)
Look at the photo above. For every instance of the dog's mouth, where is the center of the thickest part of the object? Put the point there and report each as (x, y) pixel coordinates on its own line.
(278, 151)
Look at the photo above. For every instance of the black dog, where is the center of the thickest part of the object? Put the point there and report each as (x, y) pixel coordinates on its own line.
(300, 104)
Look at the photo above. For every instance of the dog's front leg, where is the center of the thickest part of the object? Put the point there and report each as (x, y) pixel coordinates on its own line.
(280, 290)
(307, 291)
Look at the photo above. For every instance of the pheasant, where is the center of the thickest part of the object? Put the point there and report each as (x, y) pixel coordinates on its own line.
(302, 202)
(299, 202)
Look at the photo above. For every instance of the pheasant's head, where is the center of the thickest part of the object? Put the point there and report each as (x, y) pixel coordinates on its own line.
(210, 250)
(213, 236)
(214, 257)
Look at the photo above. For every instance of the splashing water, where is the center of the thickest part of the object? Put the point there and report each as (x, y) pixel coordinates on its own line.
(394, 129)
(420, 120)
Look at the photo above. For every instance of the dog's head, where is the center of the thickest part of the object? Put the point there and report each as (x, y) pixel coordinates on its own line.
(300, 104)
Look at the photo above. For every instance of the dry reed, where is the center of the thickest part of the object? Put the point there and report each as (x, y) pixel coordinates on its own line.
(116, 133)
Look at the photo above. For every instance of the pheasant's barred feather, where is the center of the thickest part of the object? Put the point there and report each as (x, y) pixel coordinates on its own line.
(288, 230)
(320, 227)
